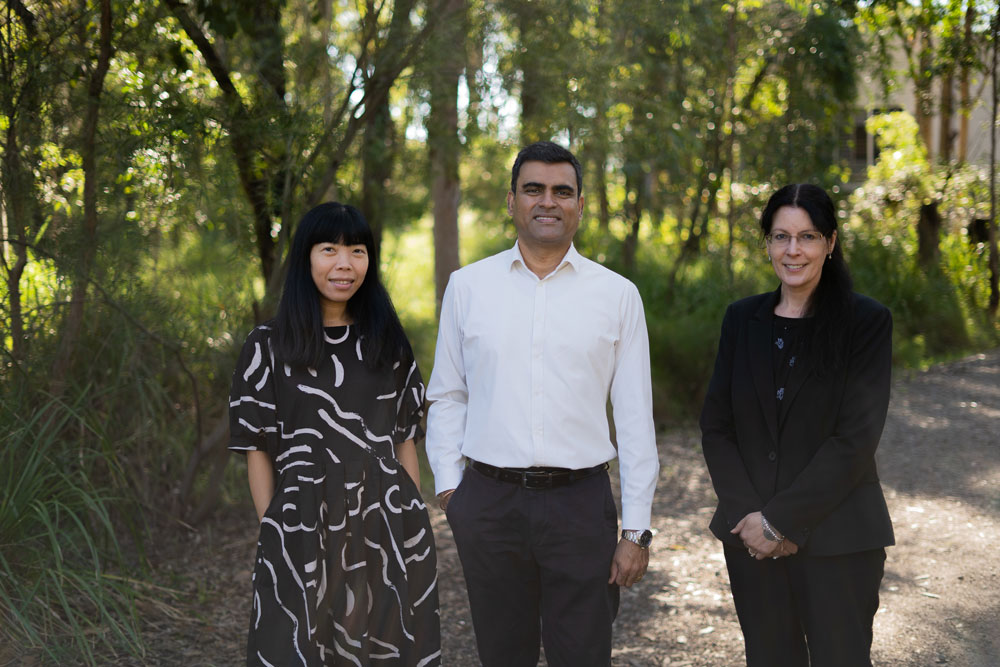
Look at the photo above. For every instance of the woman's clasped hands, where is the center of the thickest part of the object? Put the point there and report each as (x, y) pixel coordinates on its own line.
(751, 531)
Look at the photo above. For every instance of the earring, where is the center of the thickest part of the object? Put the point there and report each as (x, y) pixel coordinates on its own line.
(769, 257)
(830, 256)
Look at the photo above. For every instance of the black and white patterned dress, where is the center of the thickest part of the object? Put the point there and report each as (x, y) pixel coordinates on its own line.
(345, 572)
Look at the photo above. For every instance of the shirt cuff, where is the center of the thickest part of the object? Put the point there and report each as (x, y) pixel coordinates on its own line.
(445, 480)
(636, 518)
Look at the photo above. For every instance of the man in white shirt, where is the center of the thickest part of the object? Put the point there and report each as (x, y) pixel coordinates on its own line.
(531, 344)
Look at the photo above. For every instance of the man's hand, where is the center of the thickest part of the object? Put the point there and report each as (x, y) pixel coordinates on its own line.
(444, 497)
(629, 564)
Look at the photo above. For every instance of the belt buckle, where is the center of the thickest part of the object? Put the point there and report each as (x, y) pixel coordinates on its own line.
(536, 480)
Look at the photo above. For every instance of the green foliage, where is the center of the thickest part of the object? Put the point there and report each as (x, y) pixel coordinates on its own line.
(939, 311)
(58, 538)
(684, 330)
(929, 320)
(902, 170)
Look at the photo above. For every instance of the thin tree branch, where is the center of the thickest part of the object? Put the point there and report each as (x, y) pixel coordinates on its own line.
(372, 98)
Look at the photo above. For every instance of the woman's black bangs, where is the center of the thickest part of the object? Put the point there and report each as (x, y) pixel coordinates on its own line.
(343, 229)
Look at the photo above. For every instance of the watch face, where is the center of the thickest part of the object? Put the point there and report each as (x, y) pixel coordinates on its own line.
(642, 538)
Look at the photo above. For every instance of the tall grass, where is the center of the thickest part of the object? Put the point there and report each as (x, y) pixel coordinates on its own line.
(58, 542)
(83, 479)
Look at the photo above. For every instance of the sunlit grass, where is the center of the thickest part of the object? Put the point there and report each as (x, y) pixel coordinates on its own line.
(408, 271)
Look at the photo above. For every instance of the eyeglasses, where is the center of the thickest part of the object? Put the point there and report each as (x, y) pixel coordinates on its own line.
(782, 239)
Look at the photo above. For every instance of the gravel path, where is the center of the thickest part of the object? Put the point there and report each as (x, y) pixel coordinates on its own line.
(940, 602)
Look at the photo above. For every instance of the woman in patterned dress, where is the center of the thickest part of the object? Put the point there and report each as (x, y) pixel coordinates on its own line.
(326, 403)
(790, 425)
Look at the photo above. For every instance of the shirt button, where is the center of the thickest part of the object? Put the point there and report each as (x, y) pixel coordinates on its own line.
(772, 456)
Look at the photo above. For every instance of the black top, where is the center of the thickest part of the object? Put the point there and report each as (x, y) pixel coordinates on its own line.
(789, 336)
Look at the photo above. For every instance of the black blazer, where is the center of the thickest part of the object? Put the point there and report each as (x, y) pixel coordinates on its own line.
(813, 475)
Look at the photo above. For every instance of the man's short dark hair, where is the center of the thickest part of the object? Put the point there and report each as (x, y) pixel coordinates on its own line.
(550, 153)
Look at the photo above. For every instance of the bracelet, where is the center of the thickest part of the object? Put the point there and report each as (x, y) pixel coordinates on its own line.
(770, 534)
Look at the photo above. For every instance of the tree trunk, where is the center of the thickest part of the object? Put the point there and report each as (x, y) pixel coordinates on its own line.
(378, 157)
(88, 153)
(601, 183)
(730, 144)
(994, 261)
(16, 183)
(965, 103)
(598, 144)
(922, 88)
(16, 180)
(928, 235)
(945, 113)
(446, 61)
(534, 82)
(475, 41)
(634, 204)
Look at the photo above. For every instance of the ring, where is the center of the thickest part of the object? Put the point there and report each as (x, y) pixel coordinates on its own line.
(753, 554)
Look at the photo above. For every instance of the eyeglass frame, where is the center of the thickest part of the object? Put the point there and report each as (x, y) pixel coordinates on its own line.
(820, 236)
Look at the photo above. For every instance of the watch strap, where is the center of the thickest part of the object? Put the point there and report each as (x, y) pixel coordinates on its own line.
(642, 538)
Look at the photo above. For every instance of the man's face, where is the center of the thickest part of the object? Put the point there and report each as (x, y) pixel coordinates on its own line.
(546, 207)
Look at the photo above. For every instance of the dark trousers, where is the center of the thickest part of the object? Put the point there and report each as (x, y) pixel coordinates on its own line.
(806, 610)
(536, 564)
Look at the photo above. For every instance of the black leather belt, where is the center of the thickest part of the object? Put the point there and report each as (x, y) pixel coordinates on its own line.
(536, 478)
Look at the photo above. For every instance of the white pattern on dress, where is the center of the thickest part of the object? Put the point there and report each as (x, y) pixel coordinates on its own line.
(342, 521)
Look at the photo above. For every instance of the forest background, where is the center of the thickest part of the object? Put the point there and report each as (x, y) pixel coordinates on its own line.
(156, 156)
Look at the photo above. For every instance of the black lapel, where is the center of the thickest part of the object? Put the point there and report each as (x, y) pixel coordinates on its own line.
(759, 334)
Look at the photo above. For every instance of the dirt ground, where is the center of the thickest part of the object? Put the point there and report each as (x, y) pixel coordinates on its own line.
(940, 599)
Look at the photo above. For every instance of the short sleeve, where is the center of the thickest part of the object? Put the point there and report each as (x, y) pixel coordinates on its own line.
(253, 423)
(410, 405)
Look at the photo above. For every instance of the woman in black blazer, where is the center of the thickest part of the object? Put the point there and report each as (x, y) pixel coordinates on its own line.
(791, 421)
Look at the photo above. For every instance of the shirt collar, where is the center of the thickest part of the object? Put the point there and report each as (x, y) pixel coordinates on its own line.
(572, 258)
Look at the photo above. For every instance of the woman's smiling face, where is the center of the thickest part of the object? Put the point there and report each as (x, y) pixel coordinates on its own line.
(798, 250)
(338, 271)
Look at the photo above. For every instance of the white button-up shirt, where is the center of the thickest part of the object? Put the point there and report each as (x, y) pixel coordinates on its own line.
(524, 368)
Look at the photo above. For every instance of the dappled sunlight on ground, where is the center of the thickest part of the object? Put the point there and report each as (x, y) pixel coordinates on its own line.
(940, 465)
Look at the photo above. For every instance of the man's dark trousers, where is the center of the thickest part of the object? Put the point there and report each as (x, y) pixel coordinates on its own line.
(536, 564)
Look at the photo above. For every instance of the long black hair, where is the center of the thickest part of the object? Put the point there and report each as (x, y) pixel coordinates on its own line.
(830, 304)
(299, 322)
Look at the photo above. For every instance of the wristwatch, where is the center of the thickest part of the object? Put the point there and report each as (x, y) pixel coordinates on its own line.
(770, 534)
(640, 537)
